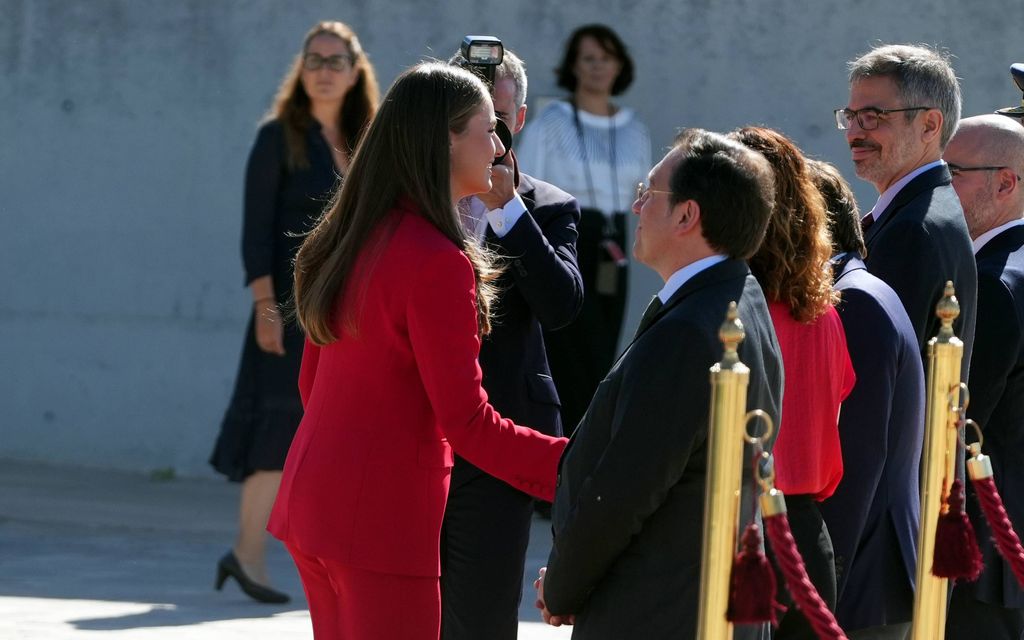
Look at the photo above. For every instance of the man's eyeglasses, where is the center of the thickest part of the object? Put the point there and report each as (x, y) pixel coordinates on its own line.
(955, 169)
(868, 117)
(642, 191)
(337, 62)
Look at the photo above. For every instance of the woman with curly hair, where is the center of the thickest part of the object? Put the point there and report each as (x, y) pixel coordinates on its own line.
(326, 100)
(793, 268)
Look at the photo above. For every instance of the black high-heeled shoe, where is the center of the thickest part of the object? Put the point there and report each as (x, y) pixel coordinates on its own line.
(229, 566)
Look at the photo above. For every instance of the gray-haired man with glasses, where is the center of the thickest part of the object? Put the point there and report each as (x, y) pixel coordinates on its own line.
(903, 108)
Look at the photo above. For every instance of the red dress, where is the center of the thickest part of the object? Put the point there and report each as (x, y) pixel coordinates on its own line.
(819, 376)
(366, 478)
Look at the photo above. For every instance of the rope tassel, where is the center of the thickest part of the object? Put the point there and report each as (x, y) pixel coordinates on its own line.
(752, 585)
(956, 548)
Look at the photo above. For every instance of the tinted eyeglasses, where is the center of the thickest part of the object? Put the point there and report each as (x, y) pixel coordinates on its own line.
(868, 117)
(337, 62)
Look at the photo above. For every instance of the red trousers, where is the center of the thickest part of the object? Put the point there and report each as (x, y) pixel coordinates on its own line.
(354, 604)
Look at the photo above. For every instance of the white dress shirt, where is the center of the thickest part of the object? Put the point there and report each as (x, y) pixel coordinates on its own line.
(983, 239)
(476, 219)
(679, 278)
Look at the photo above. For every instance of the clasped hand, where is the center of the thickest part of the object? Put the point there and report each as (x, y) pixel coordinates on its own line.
(553, 620)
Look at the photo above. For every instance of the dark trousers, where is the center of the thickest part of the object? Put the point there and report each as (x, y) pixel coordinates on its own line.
(970, 618)
(815, 546)
(483, 551)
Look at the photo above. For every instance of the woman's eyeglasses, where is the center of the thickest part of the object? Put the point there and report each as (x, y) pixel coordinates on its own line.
(337, 62)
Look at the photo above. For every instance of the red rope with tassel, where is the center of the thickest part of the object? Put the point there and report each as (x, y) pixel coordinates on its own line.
(752, 584)
(956, 547)
(979, 468)
(1002, 530)
(800, 586)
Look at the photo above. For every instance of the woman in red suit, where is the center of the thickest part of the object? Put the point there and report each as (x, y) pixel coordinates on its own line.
(793, 268)
(393, 298)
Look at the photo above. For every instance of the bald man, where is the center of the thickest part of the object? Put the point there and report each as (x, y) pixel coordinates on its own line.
(986, 158)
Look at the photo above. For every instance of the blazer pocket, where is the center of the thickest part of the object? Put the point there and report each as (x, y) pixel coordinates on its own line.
(541, 388)
(435, 454)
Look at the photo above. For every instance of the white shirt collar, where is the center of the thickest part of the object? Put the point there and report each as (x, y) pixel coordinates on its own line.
(887, 196)
(983, 239)
(679, 278)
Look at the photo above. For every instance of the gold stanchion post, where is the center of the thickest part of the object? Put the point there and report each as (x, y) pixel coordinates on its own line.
(938, 463)
(729, 380)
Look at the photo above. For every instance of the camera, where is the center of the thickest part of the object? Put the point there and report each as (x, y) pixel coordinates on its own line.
(482, 55)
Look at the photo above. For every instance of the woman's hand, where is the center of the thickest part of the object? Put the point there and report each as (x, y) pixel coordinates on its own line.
(269, 327)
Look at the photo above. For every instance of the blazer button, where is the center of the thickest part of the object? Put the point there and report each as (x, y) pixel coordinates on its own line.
(558, 480)
(519, 267)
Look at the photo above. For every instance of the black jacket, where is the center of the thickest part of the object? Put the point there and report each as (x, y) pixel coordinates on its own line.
(997, 401)
(629, 506)
(919, 242)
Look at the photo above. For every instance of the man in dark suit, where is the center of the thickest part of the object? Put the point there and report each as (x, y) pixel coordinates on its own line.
(987, 160)
(903, 109)
(487, 522)
(627, 515)
(874, 514)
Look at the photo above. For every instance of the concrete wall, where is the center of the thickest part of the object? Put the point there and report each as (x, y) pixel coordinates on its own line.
(124, 128)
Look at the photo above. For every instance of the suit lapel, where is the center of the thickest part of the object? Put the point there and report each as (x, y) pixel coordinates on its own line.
(930, 179)
(526, 191)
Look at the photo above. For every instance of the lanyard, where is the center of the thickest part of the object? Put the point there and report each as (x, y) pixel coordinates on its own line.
(586, 163)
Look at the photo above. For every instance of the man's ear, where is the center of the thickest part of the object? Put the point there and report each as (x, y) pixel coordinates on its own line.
(1009, 183)
(932, 125)
(686, 215)
(520, 119)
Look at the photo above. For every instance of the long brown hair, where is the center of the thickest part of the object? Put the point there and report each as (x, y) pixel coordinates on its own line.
(792, 264)
(291, 105)
(404, 152)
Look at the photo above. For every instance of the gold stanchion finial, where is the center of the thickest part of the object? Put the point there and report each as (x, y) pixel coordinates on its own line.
(947, 309)
(731, 334)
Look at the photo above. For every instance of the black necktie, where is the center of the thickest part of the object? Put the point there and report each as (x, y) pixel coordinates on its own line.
(652, 310)
(866, 222)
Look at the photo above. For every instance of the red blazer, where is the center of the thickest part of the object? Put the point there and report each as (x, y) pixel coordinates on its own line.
(366, 479)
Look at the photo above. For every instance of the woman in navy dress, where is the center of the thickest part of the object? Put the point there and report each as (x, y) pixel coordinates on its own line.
(301, 152)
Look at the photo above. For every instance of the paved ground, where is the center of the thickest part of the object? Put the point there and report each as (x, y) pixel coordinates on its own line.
(87, 553)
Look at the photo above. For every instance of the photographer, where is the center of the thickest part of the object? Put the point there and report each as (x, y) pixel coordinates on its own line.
(531, 226)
